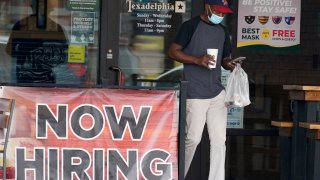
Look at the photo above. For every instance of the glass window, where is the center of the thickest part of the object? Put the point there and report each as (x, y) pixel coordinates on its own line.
(147, 29)
(51, 42)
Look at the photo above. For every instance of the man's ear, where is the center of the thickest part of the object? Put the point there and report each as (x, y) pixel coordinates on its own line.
(206, 7)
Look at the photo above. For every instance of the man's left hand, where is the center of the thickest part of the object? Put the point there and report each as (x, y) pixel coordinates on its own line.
(230, 64)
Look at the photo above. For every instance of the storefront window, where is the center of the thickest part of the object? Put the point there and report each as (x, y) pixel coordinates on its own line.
(49, 42)
(147, 28)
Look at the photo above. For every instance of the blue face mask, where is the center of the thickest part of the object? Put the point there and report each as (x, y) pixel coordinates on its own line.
(215, 19)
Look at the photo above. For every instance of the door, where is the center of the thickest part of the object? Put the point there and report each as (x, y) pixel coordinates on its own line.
(138, 37)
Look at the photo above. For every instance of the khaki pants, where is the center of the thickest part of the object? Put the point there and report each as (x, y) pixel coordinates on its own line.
(214, 113)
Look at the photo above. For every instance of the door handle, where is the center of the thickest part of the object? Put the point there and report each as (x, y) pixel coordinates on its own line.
(119, 74)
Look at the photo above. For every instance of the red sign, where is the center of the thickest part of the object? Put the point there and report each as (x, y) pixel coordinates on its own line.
(93, 133)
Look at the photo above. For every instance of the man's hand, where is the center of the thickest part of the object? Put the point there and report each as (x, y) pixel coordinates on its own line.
(205, 60)
(230, 64)
(175, 52)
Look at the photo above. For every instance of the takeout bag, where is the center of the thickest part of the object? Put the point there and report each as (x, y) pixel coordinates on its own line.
(237, 90)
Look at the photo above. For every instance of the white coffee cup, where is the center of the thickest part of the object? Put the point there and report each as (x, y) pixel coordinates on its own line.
(213, 52)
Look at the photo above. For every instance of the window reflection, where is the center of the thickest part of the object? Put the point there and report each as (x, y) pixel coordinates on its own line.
(36, 44)
(145, 35)
(36, 50)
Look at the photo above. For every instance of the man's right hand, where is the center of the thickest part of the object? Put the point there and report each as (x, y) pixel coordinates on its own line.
(205, 60)
(176, 53)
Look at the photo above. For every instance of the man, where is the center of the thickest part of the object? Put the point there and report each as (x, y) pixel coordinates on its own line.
(205, 103)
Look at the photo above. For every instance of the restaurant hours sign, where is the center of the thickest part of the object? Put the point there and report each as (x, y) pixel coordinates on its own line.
(153, 17)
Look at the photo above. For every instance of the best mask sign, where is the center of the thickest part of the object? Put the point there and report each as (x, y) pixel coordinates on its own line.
(271, 23)
(96, 134)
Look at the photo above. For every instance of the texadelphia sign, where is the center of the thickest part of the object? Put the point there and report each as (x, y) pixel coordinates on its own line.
(96, 134)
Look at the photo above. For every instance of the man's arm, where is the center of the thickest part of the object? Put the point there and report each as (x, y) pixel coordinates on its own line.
(176, 53)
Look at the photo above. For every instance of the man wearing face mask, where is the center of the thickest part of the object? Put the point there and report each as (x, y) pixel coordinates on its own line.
(205, 93)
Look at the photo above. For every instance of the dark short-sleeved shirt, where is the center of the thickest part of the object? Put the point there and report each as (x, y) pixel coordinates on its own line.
(196, 36)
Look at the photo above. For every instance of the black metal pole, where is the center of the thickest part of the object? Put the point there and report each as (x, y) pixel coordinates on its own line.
(182, 122)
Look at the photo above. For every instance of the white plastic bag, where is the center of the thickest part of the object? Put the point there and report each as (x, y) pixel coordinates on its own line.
(237, 90)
